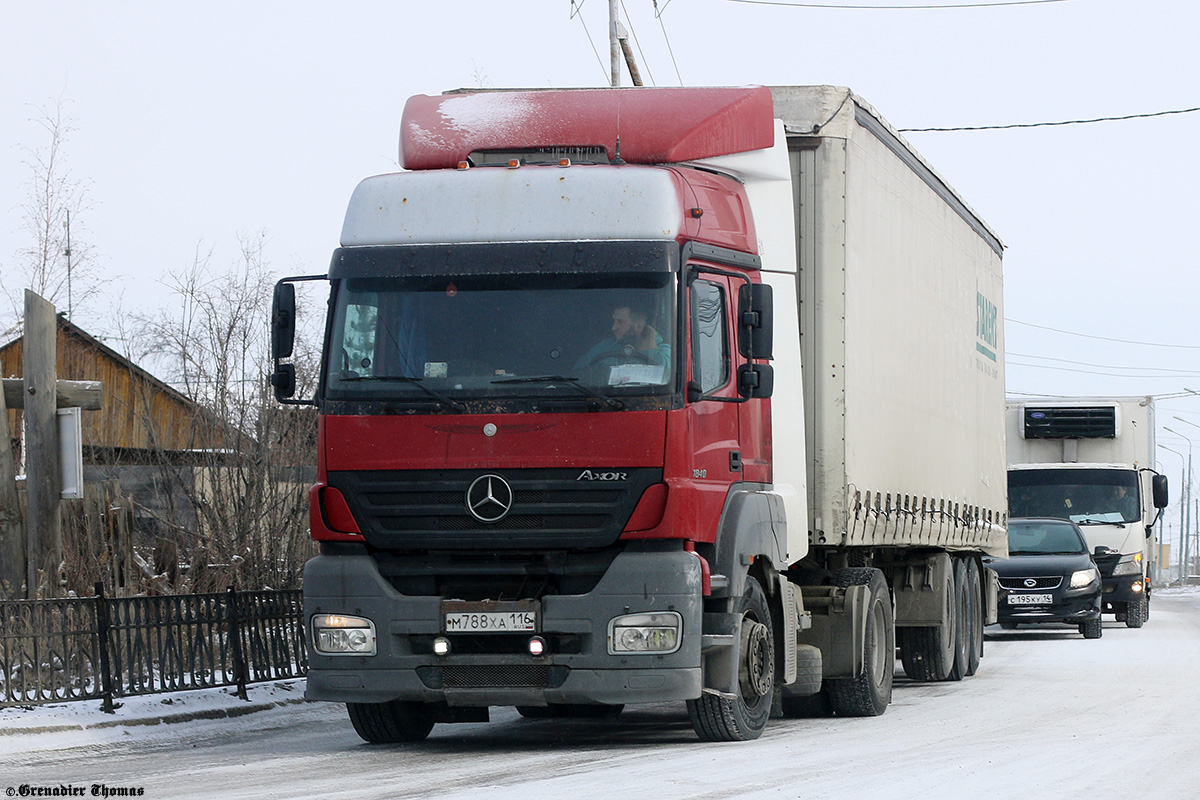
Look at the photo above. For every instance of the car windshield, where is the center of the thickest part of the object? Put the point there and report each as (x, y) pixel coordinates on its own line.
(453, 339)
(1084, 496)
(1043, 538)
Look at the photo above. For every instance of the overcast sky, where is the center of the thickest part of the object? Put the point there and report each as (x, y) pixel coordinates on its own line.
(197, 123)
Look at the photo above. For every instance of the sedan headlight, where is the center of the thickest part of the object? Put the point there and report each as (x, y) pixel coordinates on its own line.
(341, 635)
(657, 633)
(1083, 577)
(1129, 565)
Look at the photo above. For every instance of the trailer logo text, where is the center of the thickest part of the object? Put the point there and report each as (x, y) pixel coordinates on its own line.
(986, 317)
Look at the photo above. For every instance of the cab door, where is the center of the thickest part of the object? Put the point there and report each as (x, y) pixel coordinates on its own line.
(712, 404)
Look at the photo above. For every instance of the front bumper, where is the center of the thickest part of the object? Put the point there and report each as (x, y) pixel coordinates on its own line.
(1069, 606)
(1120, 589)
(488, 671)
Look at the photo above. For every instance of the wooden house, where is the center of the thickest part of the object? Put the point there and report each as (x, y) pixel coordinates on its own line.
(142, 421)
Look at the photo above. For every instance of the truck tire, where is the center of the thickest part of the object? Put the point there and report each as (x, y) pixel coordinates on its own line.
(962, 613)
(1092, 628)
(1135, 613)
(870, 693)
(975, 589)
(392, 722)
(742, 718)
(808, 700)
(927, 653)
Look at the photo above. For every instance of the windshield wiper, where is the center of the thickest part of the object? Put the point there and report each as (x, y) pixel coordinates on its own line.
(436, 395)
(572, 382)
(1093, 521)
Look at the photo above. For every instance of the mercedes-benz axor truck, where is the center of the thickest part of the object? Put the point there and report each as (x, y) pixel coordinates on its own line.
(1091, 460)
(648, 395)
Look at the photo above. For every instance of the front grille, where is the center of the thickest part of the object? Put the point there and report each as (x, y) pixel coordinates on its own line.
(427, 509)
(1018, 584)
(1070, 422)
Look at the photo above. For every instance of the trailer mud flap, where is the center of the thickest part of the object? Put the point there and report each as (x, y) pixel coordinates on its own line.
(839, 627)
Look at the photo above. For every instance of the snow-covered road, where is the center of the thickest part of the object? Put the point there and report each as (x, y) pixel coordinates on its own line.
(1049, 714)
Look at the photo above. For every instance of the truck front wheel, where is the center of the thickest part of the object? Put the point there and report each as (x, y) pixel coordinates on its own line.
(392, 722)
(1135, 613)
(743, 717)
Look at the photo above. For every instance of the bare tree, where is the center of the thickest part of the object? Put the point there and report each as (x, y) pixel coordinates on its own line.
(249, 470)
(57, 263)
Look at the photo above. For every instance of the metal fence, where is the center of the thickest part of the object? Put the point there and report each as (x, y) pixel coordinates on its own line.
(104, 648)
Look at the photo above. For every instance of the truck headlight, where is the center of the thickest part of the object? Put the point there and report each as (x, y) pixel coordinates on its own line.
(340, 635)
(1129, 565)
(1083, 577)
(657, 633)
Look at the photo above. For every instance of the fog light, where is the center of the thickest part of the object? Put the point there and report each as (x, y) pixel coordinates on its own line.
(537, 646)
(1137, 586)
(441, 646)
(339, 635)
(657, 633)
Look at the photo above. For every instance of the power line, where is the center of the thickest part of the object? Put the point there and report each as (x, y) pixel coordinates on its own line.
(895, 8)
(1043, 124)
(1102, 338)
(1184, 372)
(1090, 371)
(577, 10)
(659, 14)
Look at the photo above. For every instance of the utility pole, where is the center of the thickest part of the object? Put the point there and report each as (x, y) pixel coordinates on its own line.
(43, 528)
(614, 46)
(68, 255)
(618, 46)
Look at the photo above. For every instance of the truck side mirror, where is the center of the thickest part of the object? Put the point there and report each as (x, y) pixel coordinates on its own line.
(283, 379)
(1158, 486)
(283, 321)
(756, 380)
(756, 321)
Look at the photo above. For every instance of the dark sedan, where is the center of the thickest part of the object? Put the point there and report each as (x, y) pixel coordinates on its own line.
(1049, 576)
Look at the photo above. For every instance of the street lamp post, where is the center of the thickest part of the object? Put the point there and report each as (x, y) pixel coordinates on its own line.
(1185, 534)
(1183, 505)
(1191, 534)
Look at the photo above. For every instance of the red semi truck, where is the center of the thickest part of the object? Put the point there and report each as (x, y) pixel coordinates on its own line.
(651, 395)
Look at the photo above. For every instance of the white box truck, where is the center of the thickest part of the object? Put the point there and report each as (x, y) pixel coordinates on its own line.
(1091, 460)
(652, 394)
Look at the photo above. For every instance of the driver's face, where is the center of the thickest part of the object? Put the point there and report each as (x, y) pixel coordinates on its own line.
(624, 326)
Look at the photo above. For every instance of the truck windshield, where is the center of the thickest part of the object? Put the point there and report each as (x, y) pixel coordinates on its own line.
(448, 340)
(1084, 496)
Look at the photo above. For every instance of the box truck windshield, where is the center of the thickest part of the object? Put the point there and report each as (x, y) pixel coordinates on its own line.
(1084, 496)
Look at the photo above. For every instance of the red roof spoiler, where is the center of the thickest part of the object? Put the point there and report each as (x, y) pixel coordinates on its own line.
(655, 126)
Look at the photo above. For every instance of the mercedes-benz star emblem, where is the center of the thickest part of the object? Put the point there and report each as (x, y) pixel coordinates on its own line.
(1030, 583)
(489, 498)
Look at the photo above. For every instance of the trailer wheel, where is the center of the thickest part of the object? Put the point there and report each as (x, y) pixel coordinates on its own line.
(963, 629)
(869, 694)
(928, 652)
(1092, 628)
(392, 722)
(975, 590)
(741, 718)
(1135, 613)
